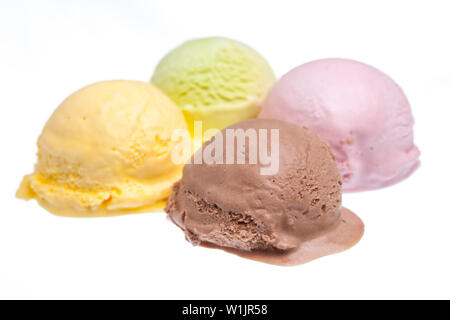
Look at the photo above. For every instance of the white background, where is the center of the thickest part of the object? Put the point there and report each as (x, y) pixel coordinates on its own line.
(48, 49)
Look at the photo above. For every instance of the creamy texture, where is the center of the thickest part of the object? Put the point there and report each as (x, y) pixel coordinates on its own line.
(361, 112)
(347, 232)
(216, 80)
(234, 206)
(106, 150)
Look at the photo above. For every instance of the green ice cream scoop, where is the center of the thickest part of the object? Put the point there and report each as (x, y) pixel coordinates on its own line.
(216, 80)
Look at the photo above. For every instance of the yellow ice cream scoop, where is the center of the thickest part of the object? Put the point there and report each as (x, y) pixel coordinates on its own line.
(217, 80)
(106, 150)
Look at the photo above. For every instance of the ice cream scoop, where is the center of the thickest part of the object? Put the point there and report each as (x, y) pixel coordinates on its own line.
(215, 80)
(361, 112)
(106, 150)
(289, 217)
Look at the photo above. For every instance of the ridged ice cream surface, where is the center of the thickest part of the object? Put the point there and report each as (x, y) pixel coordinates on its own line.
(216, 80)
(106, 150)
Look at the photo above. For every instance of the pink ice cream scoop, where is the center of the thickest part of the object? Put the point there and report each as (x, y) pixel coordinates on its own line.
(360, 111)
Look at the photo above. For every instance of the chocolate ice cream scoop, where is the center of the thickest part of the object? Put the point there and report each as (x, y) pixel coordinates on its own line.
(245, 206)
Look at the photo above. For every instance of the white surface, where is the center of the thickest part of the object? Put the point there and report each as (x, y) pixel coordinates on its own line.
(48, 49)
